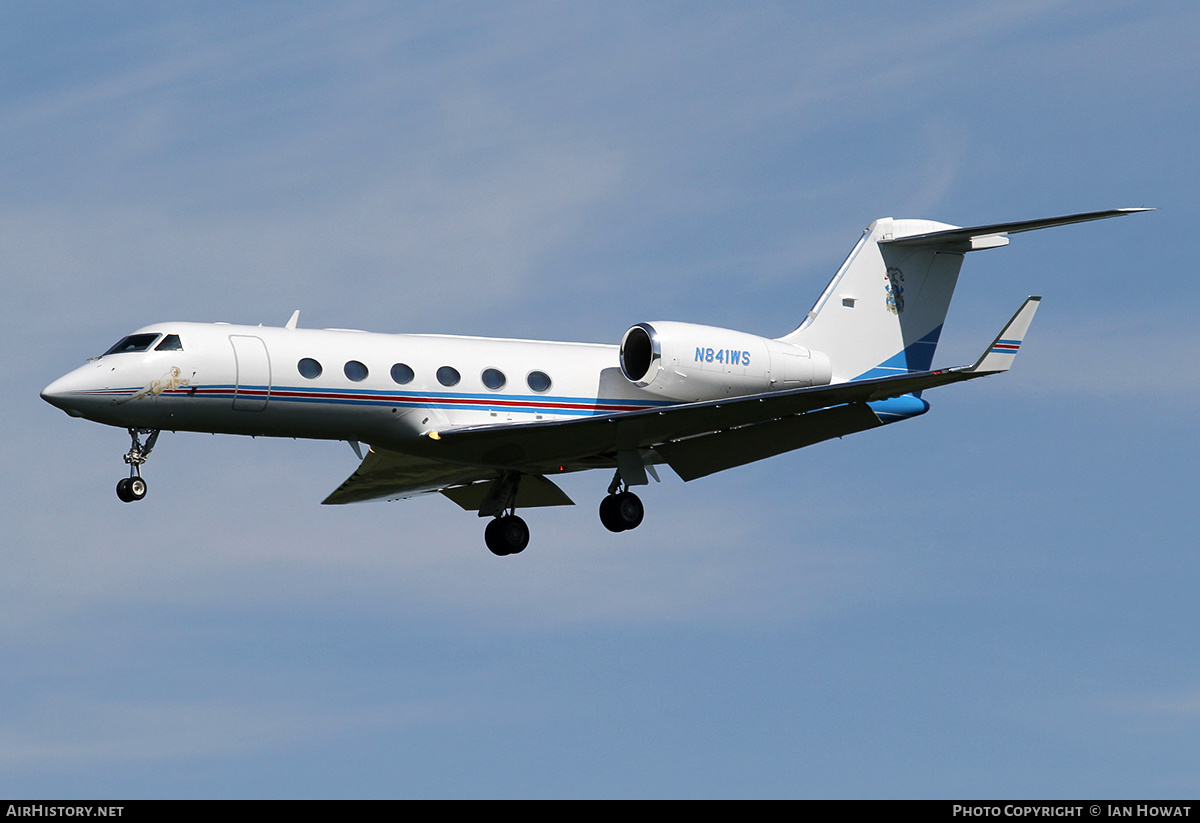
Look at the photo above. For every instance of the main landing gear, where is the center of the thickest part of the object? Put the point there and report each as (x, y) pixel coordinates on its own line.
(506, 535)
(621, 510)
(133, 488)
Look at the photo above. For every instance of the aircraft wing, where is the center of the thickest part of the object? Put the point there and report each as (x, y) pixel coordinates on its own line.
(390, 475)
(386, 474)
(695, 439)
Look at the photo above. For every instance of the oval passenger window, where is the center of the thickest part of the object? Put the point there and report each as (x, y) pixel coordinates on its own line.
(494, 379)
(539, 381)
(402, 373)
(355, 371)
(309, 368)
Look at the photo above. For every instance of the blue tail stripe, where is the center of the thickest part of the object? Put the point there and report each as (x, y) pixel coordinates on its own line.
(916, 356)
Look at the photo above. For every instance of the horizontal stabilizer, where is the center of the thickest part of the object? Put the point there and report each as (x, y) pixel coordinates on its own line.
(986, 237)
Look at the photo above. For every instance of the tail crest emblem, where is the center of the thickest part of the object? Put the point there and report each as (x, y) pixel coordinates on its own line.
(894, 290)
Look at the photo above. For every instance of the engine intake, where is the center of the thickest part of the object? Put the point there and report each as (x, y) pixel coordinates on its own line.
(639, 351)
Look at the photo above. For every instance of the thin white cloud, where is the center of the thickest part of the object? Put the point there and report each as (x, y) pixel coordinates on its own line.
(1139, 358)
(425, 557)
(71, 734)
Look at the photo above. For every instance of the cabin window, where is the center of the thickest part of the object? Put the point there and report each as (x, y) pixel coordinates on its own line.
(170, 343)
(448, 376)
(132, 343)
(539, 381)
(355, 371)
(494, 379)
(402, 373)
(309, 368)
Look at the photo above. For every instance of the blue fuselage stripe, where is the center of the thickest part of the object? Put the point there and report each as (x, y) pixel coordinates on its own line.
(525, 404)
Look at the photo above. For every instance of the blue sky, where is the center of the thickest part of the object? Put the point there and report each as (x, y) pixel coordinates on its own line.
(996, 599)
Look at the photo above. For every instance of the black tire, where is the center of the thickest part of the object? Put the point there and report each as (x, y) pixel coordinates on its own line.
(630, 510)
(514, 533)
(493, 539)
(609, 515)
(506, 535)
(123, 490)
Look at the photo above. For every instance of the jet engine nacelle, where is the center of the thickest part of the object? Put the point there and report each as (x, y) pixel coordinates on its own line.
(683, 361)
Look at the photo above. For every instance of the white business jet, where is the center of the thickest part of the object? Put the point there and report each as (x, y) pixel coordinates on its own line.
(487, 422)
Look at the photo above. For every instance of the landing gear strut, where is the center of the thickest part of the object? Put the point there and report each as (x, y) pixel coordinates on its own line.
(621, 510)
(133, 488)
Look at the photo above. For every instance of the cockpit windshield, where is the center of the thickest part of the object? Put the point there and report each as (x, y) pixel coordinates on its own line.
(132, 343)
(170, 343)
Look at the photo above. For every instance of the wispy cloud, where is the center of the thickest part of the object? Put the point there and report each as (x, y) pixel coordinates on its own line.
(71, 734)
(1147, 358)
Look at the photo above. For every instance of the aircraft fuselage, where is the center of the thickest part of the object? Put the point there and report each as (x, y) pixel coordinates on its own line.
(384, 389)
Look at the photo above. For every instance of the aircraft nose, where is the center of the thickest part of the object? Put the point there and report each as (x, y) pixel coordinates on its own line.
(53, 393)
(61, 394)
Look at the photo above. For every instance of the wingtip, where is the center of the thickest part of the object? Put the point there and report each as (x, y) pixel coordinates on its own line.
(999, 356)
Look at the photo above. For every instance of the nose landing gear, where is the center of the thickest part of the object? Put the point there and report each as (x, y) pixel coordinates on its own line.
(133, 488)
(130, 489)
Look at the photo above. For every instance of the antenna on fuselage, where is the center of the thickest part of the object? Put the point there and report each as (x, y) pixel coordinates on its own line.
(291, 324)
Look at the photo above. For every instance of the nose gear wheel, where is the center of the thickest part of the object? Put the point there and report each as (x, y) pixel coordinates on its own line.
(133, 488)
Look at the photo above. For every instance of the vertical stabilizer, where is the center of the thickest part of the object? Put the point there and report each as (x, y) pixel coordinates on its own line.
(883, 311)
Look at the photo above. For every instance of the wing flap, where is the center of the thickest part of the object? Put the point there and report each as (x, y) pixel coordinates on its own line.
(534, 491)
(710, 453)
(389, 475)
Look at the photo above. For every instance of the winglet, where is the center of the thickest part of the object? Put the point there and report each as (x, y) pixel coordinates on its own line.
(291, 324)
(1000, 355)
